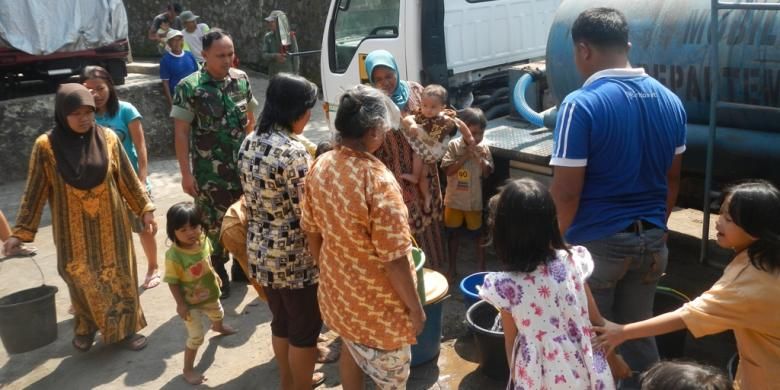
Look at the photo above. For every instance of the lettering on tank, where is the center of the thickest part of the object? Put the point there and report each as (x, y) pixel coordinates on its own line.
(758, 86)
(737, 27)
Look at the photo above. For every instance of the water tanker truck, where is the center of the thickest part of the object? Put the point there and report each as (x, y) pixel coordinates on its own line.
(488, 54)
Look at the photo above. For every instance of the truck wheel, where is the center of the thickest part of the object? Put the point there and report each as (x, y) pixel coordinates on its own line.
(118, 71)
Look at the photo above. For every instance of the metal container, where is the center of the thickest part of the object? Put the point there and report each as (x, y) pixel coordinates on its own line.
(670, 39)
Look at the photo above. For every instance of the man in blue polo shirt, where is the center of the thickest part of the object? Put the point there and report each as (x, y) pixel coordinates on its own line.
(175, 64)
(617, 154)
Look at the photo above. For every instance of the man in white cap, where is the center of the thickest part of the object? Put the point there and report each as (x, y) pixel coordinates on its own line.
(193, 34)
(175, 64)
(277, 43)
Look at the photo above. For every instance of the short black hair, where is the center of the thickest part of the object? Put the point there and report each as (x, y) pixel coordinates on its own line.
(180, 215)
(322, 148)
(473, 116)
(601, 27)
(524, 226)
(93, 72)
(176, 7)
(679, 375)
(755, 207)
(287, 98)
(214, 34)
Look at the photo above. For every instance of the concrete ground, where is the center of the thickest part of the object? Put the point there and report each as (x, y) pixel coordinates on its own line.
(245, 360)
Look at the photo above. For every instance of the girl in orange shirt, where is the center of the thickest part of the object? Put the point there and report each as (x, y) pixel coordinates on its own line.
(745, 299)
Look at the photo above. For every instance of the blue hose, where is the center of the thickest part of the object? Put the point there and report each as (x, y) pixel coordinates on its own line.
(518, 97)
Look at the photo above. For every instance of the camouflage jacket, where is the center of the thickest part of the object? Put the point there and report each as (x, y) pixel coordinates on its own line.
(218, 112)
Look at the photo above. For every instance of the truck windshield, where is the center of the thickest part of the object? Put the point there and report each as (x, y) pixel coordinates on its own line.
(356, 20)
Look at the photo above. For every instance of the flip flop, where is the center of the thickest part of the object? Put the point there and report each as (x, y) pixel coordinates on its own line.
(83, 342)
(27, 250)
(22, 251)
(135, 342)
(317, 379)
(151, 281)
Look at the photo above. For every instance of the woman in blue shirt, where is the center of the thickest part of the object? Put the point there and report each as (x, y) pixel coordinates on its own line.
(125, 120)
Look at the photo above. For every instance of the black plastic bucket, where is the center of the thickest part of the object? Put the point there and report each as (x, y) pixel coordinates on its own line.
(28, 319)
(670, 345)
(490, 344)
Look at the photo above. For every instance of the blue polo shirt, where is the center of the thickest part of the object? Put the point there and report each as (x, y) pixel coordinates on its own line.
(176, 67)
(625, 128)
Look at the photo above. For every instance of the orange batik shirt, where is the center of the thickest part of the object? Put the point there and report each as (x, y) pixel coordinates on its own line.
(355, 203)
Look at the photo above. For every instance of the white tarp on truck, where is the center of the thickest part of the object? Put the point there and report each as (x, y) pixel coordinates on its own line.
(41, 27)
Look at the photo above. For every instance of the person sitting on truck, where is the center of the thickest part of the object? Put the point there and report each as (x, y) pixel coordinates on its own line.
(193, 33)
(617, 153)
(175, 64)
(171, 16)
(429, 131)
(397, 155)
(465, 166)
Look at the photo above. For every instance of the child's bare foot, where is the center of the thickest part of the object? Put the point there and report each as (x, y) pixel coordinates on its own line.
(223, 329)
(193, 377)
(411, 178)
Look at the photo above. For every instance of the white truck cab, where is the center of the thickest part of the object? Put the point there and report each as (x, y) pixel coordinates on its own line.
(460, 44)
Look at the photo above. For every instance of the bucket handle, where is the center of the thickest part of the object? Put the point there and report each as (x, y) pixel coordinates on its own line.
(414, 242)
(32, 257)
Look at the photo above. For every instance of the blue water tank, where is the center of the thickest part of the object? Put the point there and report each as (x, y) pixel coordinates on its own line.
(670, 39)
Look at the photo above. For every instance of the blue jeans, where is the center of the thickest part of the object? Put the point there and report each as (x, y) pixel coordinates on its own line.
(627, 268)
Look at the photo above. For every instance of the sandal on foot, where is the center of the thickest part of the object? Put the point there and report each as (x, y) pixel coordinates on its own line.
(151, 281)
(317, 379)
(21, 250)
(83, 342)
(135, 342)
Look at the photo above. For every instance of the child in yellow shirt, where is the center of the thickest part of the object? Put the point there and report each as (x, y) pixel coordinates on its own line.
(193, 282)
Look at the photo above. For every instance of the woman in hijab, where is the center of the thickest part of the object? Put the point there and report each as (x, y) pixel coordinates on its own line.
(82, 171)
(397, 155)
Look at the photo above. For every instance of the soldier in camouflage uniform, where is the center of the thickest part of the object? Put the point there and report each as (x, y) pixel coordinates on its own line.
(213, 110)
(271, 53)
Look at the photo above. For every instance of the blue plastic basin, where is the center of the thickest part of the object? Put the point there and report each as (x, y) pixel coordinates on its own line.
(468, 287)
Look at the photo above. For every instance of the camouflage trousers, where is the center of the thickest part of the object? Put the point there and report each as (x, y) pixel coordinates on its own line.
(213, 200)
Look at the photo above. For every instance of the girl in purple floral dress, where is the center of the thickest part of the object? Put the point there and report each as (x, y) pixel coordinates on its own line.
(542, 297)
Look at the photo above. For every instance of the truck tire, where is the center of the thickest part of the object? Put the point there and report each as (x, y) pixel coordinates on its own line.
(118, 70)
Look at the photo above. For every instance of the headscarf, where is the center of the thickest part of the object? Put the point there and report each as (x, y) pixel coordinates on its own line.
(400, 95)
(82, 158)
